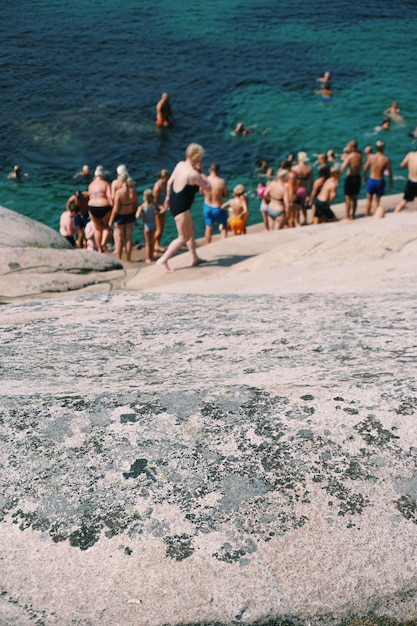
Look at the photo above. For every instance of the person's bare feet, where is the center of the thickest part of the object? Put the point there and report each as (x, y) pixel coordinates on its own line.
(164, 266)
(197, 261)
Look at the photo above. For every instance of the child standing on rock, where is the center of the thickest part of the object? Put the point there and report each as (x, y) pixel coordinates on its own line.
(238, 210)
(147, 211)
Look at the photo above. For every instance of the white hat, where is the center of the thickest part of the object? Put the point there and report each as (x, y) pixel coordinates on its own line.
(302, 156)
(121, 169)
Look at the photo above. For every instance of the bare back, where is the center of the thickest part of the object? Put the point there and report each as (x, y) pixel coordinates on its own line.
(99, 193)
(353, 163)
(410, 161)
(377, 164)
(328, 191)
(237, 206)
(126, 200)
(215, 196)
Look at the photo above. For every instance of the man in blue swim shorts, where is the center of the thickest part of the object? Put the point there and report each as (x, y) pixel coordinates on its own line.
(213, 199)
(378, 165)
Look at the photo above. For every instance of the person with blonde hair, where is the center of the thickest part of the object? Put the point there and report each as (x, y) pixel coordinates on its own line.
(123, 216)
(277, 197)
(100, 204)
(185, 181)
(303, 184)
(147, 211)
(238, 210)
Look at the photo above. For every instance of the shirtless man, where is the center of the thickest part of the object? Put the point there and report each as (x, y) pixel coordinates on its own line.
(213, 199)
(322, 211)
(163, 111)
(353, 163)
(410, 191)
(377, 164)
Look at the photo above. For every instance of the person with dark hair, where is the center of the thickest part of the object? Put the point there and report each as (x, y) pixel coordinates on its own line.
(159, 192)
(410, 191)
(78, 202)
(326, 195)
(353, 163)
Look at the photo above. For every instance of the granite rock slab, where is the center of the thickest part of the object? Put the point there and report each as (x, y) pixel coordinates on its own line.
(30, 271)
(17, 230)
(225, 459)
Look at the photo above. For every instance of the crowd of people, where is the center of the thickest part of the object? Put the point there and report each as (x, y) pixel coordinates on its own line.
(108, 211)
(296, 188)
(297, 193)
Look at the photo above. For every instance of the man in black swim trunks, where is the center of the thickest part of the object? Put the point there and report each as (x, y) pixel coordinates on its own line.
(353, 163)
(410, 191)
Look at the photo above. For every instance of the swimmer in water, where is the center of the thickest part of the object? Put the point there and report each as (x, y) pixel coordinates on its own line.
(325, 80)
(326, 95)
(393, 112)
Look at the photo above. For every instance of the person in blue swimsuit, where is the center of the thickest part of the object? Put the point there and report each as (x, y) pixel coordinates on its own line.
(378, 165)
(213, 199)
(183, 184)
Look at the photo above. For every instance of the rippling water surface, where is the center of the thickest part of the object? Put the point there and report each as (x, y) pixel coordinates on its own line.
(80, 82)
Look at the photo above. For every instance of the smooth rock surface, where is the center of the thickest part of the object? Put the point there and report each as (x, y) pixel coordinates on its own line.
(354, 255)
(16, 230)
(240, 457)
(34, 271)
(172, 459)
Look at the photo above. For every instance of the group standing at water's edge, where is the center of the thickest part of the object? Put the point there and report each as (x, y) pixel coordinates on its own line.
(304, 190)
(113, 208)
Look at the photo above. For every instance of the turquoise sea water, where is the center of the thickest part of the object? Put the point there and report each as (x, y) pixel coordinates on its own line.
(80, 82)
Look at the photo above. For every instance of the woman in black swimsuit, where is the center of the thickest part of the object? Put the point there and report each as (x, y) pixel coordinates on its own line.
(184, 182)
(99, 207)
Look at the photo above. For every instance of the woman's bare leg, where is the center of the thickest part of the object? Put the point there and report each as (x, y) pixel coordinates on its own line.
(118, 241)
(128, 240)
(185, 228)
(160, 224)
